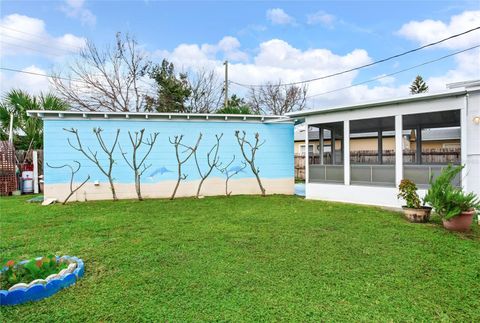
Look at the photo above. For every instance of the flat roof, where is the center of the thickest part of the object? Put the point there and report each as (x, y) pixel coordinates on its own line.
(377, 103)
(80, 115)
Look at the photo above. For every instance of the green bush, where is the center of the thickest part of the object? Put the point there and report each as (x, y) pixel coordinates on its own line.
(408, 192)
(449, 201)
(33, 269)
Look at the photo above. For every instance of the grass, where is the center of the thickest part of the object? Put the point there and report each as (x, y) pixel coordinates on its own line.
(279, 258)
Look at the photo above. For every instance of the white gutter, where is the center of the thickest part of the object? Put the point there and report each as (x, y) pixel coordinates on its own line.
(44, 114)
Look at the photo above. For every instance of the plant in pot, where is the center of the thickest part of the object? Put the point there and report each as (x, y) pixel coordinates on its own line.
(413, 210)
(452, 204)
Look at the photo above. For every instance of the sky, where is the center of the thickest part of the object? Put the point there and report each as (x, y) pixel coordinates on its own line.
(263, 41)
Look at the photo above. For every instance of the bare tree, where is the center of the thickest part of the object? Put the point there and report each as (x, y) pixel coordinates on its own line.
(246, 145)
(277, 98)
(73, 172)
(139, 167)
(93, 156)
(230, 172)
(105, 80)
(190, 150)
(212, 162)
(206, 92)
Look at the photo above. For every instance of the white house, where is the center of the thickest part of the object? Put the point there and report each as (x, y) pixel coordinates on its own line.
(337, 179)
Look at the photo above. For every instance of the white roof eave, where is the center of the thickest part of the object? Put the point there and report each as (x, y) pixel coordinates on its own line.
(49, 114)
(371, 104)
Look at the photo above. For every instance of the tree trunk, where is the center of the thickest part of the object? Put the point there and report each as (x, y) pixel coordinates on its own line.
(200, 187)
(226, 187)
(137, 187)
(112, 187)
(260, 184)
(175, 189)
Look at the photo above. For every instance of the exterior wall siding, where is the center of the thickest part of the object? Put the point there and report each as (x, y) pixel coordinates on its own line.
(274, 158)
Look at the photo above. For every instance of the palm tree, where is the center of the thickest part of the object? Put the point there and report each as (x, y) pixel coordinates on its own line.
(28, 132)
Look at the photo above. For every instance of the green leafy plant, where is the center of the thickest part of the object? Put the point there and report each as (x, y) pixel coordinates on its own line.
(447, 200)
(13, 273)
(408, 192)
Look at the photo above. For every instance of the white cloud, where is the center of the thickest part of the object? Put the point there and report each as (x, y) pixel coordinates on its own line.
(278, 16)
(194, 55)
(75, 9)
(276, 60)
(428, 31)
(386, 80)
(31, 83)
(25, 35)
(321, 17)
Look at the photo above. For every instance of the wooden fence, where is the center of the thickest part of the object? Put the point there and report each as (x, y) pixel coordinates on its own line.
(429, 156)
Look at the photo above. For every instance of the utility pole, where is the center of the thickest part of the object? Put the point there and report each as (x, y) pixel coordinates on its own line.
(226, 84)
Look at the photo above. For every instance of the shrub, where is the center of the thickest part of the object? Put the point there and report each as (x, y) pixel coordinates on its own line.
(408, 192)
(449, 201)
(13, 273)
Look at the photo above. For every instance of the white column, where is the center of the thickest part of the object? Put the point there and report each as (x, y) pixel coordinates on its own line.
(35, 172)
(306, 156)
(346, 152)
(463, 143)
(321, 147)
(398, 149)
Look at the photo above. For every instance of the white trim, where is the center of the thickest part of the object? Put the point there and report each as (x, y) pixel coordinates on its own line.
(395, 101)
(45, 114)
(346, 152)
(322, 145)
(463, 143)
(35, 171)
(445, 104)
(307, 163)
(398, 149)
(358, 194)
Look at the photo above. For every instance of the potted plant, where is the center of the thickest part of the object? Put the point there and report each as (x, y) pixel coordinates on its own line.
(413, 210)
(452, 204)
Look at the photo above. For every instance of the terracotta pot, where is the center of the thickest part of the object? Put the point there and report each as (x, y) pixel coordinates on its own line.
(461, 222)
(417, 215)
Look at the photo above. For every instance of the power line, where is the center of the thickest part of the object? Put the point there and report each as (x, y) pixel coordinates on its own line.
(53, 76)
(39, 74)
(37, 43)
(394, 73)
(43, 51)
(366, 65)
(41, 37)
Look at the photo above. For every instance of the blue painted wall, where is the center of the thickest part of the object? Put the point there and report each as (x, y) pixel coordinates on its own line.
(274, 158)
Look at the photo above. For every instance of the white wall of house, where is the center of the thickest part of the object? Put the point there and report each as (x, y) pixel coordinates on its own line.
(467, 104)
(473, 143)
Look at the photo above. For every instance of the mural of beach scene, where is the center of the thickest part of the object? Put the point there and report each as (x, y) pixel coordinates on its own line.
(131, 154)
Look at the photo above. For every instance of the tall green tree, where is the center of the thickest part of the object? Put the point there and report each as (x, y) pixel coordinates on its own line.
(172, 90)
(27, 132)
(418, 86)
(236, 105)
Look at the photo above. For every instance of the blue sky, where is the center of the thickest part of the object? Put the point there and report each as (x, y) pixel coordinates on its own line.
(263, 40)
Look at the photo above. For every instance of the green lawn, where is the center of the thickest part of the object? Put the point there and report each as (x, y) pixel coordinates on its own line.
(278, 258)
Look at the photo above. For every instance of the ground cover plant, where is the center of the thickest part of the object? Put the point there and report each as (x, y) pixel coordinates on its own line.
(244, 258)
(14, 273)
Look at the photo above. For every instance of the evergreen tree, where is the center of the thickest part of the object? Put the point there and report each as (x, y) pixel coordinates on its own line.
(236, 105)
(172, 91)
(418, 86)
